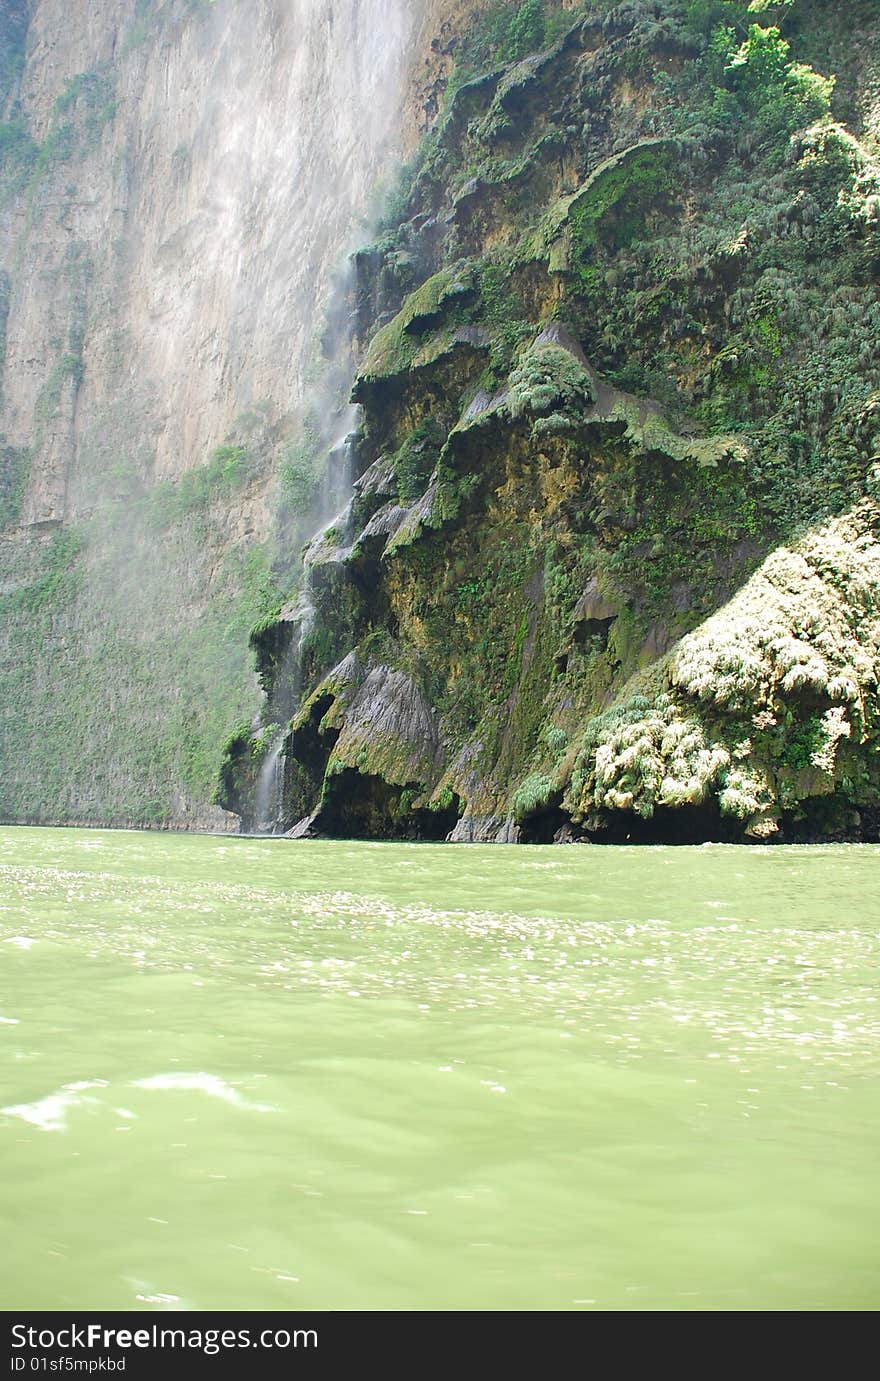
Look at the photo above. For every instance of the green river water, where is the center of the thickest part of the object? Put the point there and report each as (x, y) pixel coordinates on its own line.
(249, 1074)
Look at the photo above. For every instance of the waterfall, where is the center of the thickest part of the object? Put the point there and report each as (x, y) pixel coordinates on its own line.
(219, 161)
(333, 503)
(352, 62)
(269, 788)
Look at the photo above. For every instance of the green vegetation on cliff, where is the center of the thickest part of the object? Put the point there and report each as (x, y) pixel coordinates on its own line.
(105, 700)
(626, 386)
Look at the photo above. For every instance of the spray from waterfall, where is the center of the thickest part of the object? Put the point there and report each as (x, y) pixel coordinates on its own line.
(332, 506)
(222, 186)
(291, 181)
(269, 792)
(270, 783)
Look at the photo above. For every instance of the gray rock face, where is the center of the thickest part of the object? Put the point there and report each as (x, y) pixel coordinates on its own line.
(349, 672)
(594, 606)
(304, 829)
(205, 219)
(485, 829)
(390, 730)
(557, 333)
(383, 524)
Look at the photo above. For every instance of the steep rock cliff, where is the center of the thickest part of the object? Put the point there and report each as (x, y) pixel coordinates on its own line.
(180, 183)
(611, 566)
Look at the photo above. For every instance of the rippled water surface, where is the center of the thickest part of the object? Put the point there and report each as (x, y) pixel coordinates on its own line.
(249, 1074)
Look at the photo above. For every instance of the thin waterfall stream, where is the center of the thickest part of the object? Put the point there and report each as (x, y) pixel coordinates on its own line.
(267, 797)
(335, 500)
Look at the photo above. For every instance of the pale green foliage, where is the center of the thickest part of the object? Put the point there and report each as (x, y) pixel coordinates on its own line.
(762, 702)
(556, 740)
(747, 795)
(823, 144)
(548, 378)
(647, 755)
(263, 740)
(779, 91)
(298, 476)
(533, 794)
(790, 629)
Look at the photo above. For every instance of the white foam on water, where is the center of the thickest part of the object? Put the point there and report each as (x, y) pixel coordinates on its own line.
(49, 1114)
(209, 1084)
(164, 1301)
(22, 941)
(9, 1021)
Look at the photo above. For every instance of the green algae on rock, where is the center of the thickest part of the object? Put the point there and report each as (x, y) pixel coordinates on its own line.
(615, 545)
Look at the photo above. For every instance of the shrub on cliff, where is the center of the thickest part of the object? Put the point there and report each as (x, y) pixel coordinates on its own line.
(547, 379)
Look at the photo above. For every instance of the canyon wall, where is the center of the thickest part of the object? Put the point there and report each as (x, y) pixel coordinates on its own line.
(180, 186)
(610, 562)
(611, 567)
